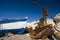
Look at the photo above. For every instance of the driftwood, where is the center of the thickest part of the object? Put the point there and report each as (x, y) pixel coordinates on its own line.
(42, 30)
(43, 33)
(56, 33)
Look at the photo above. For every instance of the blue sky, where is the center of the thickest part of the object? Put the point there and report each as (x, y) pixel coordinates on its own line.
(21, 8)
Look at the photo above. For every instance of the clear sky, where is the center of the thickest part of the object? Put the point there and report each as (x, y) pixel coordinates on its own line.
(21, 8)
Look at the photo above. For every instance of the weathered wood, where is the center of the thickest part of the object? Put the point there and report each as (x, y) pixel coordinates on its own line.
(41, 34)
